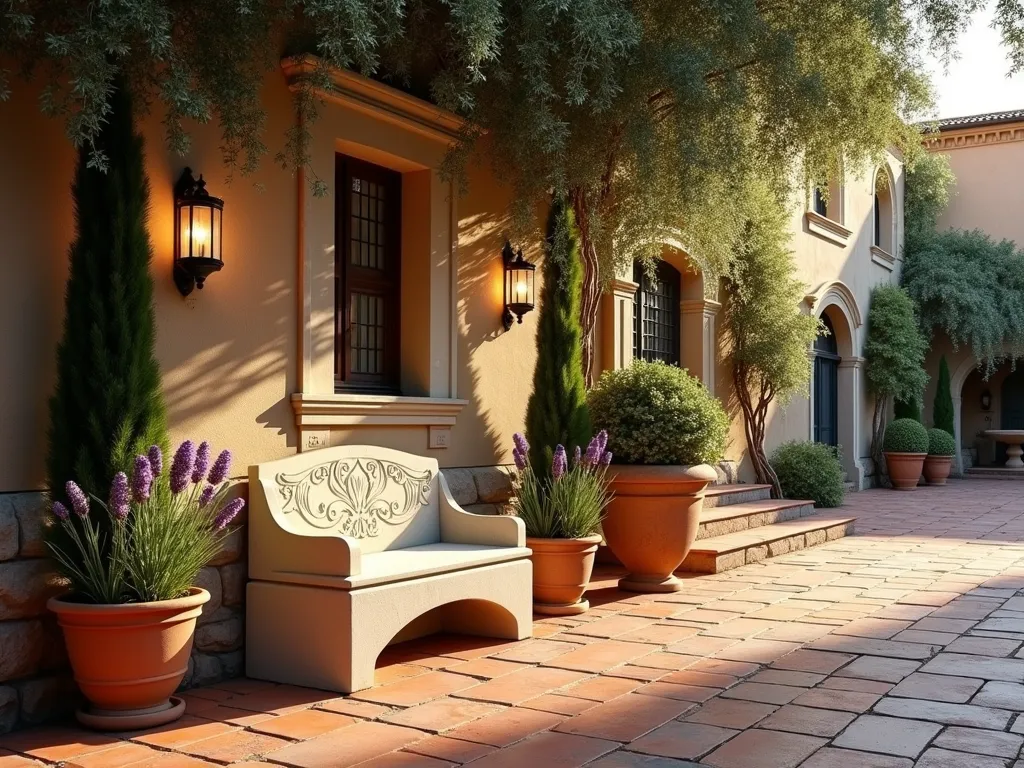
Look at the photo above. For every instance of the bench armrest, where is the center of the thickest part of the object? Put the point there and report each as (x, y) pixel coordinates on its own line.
(461, 527)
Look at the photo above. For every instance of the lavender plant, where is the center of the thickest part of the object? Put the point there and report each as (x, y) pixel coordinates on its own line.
(571, 502)
(163, 528)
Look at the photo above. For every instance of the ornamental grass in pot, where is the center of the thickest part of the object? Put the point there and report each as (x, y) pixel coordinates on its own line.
(131, 565)
(939, 461)
(905, 446)
(562, 512)
(666, 429)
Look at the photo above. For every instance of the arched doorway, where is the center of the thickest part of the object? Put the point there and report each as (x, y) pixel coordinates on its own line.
(826, 386)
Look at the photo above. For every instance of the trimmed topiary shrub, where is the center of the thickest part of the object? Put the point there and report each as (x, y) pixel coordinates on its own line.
(658, 414)
(905, 436)
(809, 470)
(940, 442)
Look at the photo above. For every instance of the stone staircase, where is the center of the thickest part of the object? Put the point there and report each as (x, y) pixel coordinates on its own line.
(742, 524)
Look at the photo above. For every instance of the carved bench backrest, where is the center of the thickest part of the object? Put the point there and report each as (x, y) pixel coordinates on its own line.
(386, 499)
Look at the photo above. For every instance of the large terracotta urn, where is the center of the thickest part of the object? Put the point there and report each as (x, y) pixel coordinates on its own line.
(652, 521)
(904, 469)
(937, 469)
(561, 572)
(129, 658)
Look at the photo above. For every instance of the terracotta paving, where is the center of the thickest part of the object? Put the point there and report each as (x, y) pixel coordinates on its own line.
(901, 646)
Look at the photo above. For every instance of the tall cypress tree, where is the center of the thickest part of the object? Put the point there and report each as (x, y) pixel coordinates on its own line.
(107, 405)
(557, 411)
(907, 409)
(942, 408)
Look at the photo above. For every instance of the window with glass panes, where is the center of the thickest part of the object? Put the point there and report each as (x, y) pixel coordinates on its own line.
(656, 314)
(367, 271)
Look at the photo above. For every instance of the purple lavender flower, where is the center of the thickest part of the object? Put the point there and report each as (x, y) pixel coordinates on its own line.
(142, 479)
(521, 444)
(206, 495)
(60, 511)
(577, 456)
(559, 462)
(519, 459)
(79, 501)
(602, 442)
(606, 458)
(119, 495)
(220, 468)
(156, 460)
(202, 462)
(593, 453)
(227, 514)
(181, 467)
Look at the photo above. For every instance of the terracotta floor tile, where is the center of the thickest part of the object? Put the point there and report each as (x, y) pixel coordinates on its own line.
(856, 684)
(185, 731)
(941, 712)
(243, 718)
(625, 718)
(730, 713)
(281, 699)
(847, 758)
(879, 668)
(599, 656)
(196, 705)
(486, 668)
(763, 692)
(304, 724)
(241, 685)
(725, 667)
(612, 626)
(600, 688)
(820, 662)
(634, 672)
(872, 627)
(684, 741)
(365, 710)
(115, 757)
(550, 750)
(623, 759)
(979, 742)
(984, 646)
(702, 679)
(453, 750)
(944, 758)
(558, 704)
(506, 727)
(787, 677)
(56, 744)
(536, 651)
(173, 760)
(346, 747)
(234, 746)
(669, 661)
(405, 760)
(846, 701)
(416, 690)
(692, 693)
(701, 646)
(889, 735)
(391, 673)
(441, 714)
(11, 760)
(660, 634)
(921, 685)
(764, 749)
(757, 651)
(522, 685)
(813, 722)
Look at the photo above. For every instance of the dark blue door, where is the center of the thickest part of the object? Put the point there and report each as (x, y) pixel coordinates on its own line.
(826, 387)
(1011, 412)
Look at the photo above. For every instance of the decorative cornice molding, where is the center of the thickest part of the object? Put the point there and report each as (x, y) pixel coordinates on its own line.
(883, 258)
(351, 410)
(827, 228)
(852, 362)
(622, 289)
(707, 307)
(377, 99)
(977, 137)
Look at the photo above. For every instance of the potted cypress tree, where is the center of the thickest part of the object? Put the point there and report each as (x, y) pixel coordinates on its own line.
(665, 429)
(905, 446)
(939, 461)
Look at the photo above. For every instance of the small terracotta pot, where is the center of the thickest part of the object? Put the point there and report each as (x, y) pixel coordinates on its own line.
(904, 469)
(652, 521)
(937, 468)
(561, 572)
(128, 659)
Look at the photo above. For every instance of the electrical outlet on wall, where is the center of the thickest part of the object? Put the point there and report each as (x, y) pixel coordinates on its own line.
(439, 437)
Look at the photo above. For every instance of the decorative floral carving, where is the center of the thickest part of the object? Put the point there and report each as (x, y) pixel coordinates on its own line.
(362, 493)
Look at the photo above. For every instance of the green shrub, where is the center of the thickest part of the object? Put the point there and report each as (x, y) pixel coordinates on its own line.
(942, 408)
(940, 442)
(905, 436)
(809, 470)
(907, 409)
(658, 414)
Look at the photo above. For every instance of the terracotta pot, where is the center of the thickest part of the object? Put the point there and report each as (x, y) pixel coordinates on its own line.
(937, 468)
(904, 469)
(561, 572)
(128, 659)
(652, 521)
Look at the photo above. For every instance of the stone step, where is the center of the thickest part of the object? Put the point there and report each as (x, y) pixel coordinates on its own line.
(735, 493)
(733, 518)
(995, 473)
(722, 553)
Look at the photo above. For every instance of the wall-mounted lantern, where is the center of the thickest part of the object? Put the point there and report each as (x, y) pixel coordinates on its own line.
(519, 274)
(986, 400)
(198, 233)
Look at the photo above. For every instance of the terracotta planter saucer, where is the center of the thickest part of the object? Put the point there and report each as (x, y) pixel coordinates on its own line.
(132, 719)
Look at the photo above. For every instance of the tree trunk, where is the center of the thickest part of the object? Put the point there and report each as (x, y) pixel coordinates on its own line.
(754, 418)
(591, 294)
(877, 436)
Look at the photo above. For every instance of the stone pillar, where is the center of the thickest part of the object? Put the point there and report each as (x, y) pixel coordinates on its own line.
(698, 338)
(850, 401)
(617, 323)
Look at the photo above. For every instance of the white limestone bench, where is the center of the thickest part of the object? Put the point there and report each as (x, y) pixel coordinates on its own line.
(356, 547)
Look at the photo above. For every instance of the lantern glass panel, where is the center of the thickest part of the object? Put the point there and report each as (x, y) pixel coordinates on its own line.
(217, 234)
(200, 232)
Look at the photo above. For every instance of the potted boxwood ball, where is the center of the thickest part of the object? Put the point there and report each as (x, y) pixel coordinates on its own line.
(665, 428)
(131, 565)
(905, 446)
(939, 461)
(562, 512)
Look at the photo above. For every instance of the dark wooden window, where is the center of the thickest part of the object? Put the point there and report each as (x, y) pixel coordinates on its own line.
(826, 387)
(367, 261)
(878, 222)
(820, 203)
(656, 314)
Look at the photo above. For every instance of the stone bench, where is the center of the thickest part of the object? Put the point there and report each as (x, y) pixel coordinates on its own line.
(358, 547)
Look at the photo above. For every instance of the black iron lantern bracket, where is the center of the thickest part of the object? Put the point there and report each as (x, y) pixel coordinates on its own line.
(519, 286)
(195, 260)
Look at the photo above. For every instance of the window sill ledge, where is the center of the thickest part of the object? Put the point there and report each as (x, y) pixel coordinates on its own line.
(825, 228)
(882, 258)
(352, 410)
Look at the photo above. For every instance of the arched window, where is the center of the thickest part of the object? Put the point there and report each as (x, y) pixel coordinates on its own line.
(656, 314)
(883, 213)
(826, 386)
